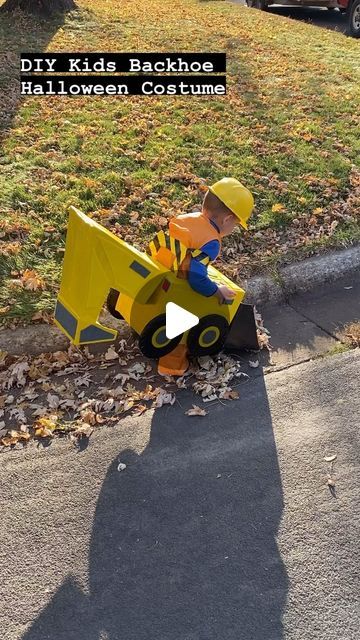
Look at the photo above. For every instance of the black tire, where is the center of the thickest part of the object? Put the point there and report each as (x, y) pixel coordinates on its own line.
(354, 19)
(261, 4)
(152, 340)
(111, 302)
(209, 336)
(257, 4)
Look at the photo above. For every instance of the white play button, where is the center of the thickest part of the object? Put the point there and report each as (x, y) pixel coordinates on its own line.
(178, 320)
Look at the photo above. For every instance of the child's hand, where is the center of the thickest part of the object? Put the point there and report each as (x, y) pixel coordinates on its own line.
(224, 293)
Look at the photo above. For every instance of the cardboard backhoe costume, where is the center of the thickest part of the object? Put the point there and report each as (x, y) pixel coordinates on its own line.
(202, 239)
(98, 266)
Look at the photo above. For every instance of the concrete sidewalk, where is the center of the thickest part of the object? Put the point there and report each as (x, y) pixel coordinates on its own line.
(312, 323)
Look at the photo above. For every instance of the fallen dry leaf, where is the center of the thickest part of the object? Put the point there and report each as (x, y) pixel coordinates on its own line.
(111, 354)
(140, 409)
(277, 207)
(263, 340)
(164, 397)
(128, 405)
(17, 374)
(83, 431)
(3, 356)
(108, 405)
(352, 334)
(18, 414)
(83, 381)
(31, 281)
(196, 411)
(229, 394)
(45, 426)
(53, 401)
(12, 437)
(206, 362)
(43, 432)
(8, 441)
(89, 416)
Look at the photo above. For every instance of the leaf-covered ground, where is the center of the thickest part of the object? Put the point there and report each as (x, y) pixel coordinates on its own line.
(70, 393)
(288, 128)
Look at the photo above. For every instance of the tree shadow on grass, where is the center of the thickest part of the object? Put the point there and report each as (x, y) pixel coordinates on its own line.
(183, 545)
(19, 33)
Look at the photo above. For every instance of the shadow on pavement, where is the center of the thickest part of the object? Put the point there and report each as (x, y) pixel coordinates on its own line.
(184, 540)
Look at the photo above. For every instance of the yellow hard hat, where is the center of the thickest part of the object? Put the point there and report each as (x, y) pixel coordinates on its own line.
(236, 197)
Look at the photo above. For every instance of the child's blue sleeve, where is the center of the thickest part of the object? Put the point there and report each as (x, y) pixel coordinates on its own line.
(198, 276)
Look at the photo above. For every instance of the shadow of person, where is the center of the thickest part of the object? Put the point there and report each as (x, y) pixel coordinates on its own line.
(183, 544)
(19, 32)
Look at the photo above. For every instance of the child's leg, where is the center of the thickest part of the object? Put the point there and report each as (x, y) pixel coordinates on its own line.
(175, 363)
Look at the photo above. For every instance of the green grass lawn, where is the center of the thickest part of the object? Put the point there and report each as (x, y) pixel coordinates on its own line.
(288, 128)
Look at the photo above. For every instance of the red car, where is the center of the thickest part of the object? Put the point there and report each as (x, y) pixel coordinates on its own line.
(350, 7)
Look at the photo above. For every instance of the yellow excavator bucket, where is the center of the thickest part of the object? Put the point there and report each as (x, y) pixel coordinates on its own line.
(95, 261)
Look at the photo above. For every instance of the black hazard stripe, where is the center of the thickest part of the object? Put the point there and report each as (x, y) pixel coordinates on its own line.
(178, 251)
(154, 245)
(156, 242)
(173, 253)
(200, 256)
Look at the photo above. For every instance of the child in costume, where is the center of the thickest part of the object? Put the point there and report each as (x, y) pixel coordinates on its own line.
(226, 203)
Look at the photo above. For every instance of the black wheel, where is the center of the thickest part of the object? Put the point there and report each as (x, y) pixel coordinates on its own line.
(257, 4)
(209, 336)
(153, 342)
(111, 302)
(261, 4)
(354, 19)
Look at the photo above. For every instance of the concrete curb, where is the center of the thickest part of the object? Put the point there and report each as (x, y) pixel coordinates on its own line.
(294, 278)
(302, 276)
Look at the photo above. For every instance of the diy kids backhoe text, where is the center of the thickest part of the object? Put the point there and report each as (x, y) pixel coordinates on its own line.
(99, 266)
